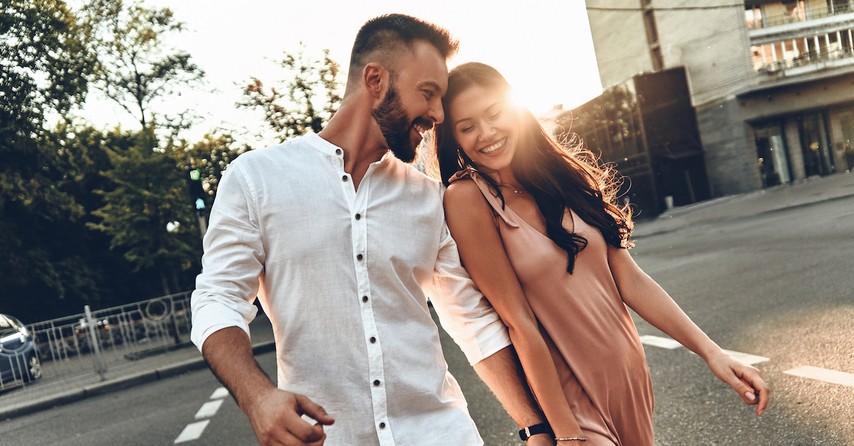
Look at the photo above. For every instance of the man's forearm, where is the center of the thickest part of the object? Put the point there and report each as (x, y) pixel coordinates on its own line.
(503, 374)
(228, 353)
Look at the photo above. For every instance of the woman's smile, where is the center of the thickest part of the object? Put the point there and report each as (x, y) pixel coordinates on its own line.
(492, 148)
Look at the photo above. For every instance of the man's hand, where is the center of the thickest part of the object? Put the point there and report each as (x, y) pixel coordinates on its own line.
(275, 415)
(744, 379)
(276, 418)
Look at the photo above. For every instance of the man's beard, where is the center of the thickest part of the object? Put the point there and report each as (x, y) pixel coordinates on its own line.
(395, 126)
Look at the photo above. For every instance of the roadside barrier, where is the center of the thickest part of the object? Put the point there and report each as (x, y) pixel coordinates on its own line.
(96, 342)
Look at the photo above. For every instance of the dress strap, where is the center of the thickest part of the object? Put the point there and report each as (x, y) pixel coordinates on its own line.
(491, 198)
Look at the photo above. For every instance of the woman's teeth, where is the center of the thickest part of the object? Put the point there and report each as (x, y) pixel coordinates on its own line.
(492, 148)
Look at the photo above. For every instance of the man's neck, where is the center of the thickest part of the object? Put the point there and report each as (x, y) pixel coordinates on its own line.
(355, 134)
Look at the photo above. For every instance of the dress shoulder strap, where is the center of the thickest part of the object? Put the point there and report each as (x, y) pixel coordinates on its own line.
(490, 197)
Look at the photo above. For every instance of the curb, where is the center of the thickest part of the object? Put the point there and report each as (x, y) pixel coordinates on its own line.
(119, 383)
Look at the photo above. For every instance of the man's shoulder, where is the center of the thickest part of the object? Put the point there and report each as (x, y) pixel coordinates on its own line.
(417, 177)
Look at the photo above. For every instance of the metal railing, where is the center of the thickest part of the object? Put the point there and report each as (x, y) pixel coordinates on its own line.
(804, 59)
(812, 13)
(95, 342)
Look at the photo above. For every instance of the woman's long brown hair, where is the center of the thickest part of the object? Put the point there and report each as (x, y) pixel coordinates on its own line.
(558, 177)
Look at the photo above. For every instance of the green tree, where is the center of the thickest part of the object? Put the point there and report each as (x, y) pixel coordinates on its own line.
(304, 101)
(138, 70)
(135, 67)
(148, 193)
(43, 71)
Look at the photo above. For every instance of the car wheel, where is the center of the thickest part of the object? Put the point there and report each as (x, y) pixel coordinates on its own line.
(34, 369)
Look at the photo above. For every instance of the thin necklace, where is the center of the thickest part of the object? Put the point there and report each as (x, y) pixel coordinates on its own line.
(516, 189)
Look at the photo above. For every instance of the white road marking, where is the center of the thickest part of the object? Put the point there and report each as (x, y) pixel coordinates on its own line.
(221, 392)
(831, 376)
(671, 344)
(192, 432)
(658, 341)
(208, 409)
(747, 358)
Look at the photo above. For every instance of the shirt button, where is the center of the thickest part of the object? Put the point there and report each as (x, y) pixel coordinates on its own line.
(376, 382)
(344, 178)
(373, 340)
(382, 425)
(358, 216)
(364, 298)
(337, 151)
(359, 257)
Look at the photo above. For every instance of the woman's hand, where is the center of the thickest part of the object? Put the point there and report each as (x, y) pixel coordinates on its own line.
(744, 379)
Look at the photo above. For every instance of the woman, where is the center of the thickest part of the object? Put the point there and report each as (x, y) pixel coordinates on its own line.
(539, 233)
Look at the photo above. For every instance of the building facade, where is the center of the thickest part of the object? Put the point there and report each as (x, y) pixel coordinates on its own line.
(647, 129)
(772, 81)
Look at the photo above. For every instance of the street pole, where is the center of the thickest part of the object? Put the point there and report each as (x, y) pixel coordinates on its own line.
(203, 226)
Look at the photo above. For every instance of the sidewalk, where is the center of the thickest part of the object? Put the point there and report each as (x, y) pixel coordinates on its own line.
(46, 393)
(804, 193)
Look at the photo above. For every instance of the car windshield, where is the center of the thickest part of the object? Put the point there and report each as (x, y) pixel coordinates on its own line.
(8, 326)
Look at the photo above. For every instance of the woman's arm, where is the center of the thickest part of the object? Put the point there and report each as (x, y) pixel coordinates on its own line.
(649, 300)
(482, 252)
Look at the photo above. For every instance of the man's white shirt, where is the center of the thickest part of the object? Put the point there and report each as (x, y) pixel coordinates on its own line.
(344, 277)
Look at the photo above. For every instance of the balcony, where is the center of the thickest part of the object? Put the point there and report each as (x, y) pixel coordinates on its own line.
(809, 63)
(774, 14)
(804, 47)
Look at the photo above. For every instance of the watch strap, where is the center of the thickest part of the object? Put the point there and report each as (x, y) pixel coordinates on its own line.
(528, 432)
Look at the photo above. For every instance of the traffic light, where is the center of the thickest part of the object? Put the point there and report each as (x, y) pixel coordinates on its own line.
(197, 192)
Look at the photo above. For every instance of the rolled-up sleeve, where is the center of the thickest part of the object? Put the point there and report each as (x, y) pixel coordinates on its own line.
(232, 262)
(463, 311)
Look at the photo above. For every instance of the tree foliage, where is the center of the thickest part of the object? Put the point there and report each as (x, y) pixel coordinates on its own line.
(212, 155)
(135, 67)
(83, 211)
(304, 101)
(147, 192)
(43, 72)
(137, 70)
(43, 65)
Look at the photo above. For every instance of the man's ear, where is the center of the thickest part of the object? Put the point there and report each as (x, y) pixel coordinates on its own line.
(375, 78)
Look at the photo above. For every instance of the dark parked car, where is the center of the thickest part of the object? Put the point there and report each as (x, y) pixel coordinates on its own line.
(19, 356)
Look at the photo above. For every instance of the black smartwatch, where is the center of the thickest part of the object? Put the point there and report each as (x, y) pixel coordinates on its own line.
(528, 432)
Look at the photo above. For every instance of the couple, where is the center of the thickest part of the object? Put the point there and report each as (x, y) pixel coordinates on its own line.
(342, 241)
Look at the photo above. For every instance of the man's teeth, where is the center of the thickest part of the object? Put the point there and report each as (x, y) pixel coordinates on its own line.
(422, 129)
(489, 149)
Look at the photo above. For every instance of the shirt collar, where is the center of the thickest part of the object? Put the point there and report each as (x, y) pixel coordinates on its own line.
(324, 146)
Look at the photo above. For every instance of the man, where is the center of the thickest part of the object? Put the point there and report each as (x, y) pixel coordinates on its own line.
(339, 239)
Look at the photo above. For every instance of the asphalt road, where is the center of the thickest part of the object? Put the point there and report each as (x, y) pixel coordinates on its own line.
(777, 285)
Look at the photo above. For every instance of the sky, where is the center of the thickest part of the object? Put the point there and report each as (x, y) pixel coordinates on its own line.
(543, 48)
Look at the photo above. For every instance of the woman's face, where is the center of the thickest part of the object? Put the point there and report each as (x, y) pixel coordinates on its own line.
(484, 125)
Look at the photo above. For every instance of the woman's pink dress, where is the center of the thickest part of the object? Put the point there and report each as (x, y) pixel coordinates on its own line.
(593, 341)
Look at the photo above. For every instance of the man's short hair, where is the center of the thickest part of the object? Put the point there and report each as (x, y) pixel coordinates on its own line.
(385, 34)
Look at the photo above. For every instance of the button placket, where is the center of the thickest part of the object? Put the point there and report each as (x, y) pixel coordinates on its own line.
(376, 373)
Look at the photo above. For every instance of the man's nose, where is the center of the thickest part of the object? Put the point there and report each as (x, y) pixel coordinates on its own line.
(436, 113)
